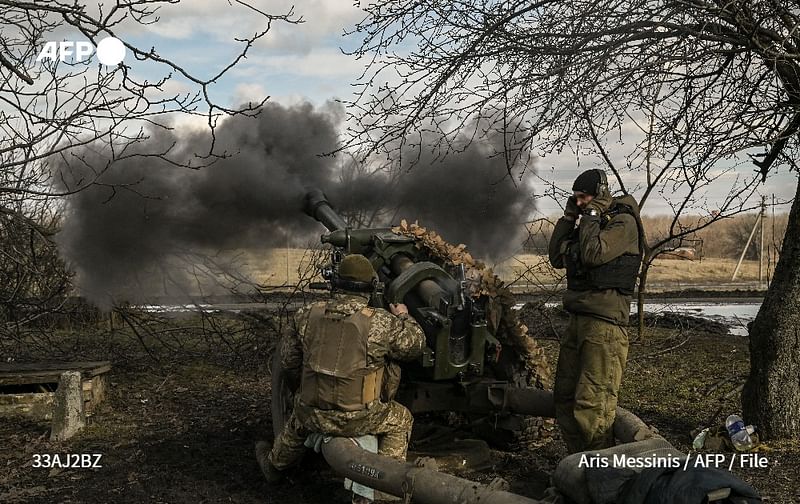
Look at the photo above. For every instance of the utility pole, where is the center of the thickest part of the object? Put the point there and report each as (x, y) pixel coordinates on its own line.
(761, 251)
(759, 220)
(773, 255)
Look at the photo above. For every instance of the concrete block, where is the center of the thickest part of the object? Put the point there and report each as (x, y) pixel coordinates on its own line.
(68, 409)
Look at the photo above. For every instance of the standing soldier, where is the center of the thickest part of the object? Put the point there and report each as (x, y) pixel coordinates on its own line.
(602, 255)
(341, 351)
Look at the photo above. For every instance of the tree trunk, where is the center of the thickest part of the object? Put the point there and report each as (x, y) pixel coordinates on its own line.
(771, 396)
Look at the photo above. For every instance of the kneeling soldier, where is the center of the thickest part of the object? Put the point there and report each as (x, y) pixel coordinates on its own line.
(342, 350)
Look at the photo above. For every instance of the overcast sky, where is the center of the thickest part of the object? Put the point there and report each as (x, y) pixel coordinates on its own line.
(304, 62)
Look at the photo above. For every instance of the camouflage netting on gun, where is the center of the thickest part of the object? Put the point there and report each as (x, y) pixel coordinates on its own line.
(502, 319)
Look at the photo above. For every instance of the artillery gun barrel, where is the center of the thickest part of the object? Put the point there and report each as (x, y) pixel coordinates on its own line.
(318, 207)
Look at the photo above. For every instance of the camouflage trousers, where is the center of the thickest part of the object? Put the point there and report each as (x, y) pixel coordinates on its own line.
(391, 422)
(591, 362)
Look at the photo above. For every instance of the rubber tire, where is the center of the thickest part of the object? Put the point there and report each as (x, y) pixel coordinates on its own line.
(282, 397)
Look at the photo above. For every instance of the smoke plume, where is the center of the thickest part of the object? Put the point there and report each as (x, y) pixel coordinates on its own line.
(123, 232)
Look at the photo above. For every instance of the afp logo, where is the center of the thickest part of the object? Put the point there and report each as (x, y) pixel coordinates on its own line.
(110, 51)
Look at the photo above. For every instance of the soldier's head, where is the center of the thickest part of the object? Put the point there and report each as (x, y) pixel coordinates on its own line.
(588, 185)
(356, 274)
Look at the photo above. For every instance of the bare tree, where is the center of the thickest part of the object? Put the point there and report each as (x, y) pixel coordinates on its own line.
(52, 110)
(50, 107)
(718, 81)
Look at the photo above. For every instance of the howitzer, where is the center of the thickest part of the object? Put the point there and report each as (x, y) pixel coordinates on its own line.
(459, 342)
(464, 367)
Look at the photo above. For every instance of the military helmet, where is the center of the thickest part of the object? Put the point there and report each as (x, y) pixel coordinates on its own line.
(357, 268)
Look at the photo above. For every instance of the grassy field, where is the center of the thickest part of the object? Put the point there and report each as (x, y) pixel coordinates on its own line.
(709, 270)
(276, 267)
(280, 266)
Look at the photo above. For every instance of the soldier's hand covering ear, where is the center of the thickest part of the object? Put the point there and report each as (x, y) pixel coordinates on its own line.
(601, 202)
(572, 210)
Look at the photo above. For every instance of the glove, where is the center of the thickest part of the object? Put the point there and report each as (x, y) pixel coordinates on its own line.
(572, 210)
(315, 440)
(599, 203)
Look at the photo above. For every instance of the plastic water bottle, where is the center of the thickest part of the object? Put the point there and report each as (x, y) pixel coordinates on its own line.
(740, 435)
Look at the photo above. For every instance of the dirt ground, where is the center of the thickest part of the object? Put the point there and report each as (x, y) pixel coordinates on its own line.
(181, 430)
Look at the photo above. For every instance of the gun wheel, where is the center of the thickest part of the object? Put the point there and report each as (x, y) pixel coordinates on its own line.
(282, 396)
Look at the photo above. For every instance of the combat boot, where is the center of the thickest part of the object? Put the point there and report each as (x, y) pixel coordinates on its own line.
(271, 473)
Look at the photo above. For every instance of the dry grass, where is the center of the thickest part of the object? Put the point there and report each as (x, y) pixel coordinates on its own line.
(720, 244)
(706, 270)
(277, 267)
(709, 270)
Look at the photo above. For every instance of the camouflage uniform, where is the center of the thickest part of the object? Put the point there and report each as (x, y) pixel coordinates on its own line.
(594, 350)
(390, 337)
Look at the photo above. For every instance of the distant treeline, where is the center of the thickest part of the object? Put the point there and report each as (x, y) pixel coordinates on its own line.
(722, 239)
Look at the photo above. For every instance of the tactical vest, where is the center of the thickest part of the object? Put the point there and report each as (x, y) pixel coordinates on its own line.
(336, 375)
(620, 273)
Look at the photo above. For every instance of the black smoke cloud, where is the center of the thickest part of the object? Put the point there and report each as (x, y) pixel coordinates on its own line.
(468, 198)
(145, 210)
